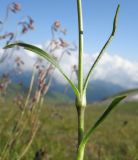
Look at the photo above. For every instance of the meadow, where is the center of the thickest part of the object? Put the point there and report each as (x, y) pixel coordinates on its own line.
(32, 128)
(56, 137)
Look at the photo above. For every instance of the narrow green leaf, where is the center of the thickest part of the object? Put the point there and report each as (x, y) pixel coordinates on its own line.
(103, 49)
(102, 117)
(49, 58)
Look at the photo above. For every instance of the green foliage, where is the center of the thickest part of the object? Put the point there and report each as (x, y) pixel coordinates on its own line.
(102, 117)
(103, 49)
(114, 140)
(47, 56)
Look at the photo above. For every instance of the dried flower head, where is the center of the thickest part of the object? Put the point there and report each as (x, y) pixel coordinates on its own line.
(44, 89)
(63, 43)
(9, 36)
(24, 29)
(5, 81)
(15, 7)
(19, 101)
(75, 69)
(1, 87)
(27, 24)
(31, 23)
(56, 25)
(19, 61)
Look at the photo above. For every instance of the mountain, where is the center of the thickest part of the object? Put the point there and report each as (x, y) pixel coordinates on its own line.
(132, 95)
(97, 90)
(100, 90)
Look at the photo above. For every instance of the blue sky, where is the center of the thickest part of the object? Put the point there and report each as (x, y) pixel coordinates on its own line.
(98, 18)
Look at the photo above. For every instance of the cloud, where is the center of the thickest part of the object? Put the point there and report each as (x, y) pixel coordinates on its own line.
(111, 68)
(117, 70)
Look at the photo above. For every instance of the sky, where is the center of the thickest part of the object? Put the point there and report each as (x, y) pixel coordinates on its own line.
(98, 17)
(119, 65)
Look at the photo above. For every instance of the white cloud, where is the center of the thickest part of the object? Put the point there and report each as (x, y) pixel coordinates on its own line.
(117, 70)
(111, 68)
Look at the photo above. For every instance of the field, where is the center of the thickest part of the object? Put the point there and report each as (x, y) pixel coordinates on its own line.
(56, 138)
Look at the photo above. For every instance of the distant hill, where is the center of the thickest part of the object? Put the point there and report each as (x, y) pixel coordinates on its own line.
(98, 90)
(132, 95)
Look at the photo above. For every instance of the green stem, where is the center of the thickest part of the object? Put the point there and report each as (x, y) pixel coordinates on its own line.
(81, 112)
(80, 62)
(103, 48)
(80, 154)
(30, 87)
(81, 99)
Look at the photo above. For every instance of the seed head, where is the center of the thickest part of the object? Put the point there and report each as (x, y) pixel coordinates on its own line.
(15, 7)
(56, 25)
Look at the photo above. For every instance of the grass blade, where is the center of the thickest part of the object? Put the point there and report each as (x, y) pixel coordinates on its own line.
(103, 49)
(113, 104)
(45, 55)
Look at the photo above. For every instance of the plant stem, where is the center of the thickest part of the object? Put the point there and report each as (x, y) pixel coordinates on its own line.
(81, 99)
(80, 154)
(81, 112)
(80, 58)
(30, 87)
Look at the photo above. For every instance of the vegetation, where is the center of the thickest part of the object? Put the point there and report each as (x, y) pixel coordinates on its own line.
(56, 138)
(48, 132)
(80, 90)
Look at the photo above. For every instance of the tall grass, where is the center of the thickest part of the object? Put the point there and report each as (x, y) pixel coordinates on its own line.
(29, 105)
(19, 119)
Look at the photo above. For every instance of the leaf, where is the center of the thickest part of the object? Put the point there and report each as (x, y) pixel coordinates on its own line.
(113, 104)
(45, 55)
(103, 49)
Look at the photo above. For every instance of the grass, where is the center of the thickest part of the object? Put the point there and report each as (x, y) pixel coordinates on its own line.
(116, 139)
